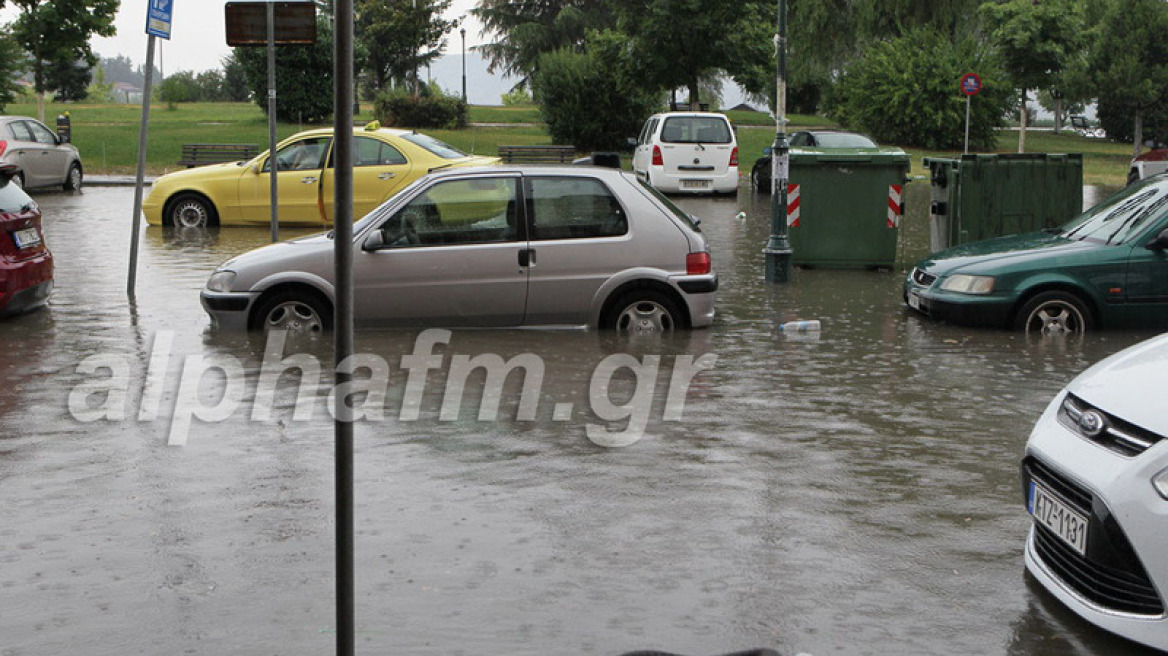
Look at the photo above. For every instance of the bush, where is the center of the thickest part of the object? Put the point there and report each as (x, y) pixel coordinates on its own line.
(433, 109)
(516, 98)
(905, 91)
(591, 100)
(304, 77)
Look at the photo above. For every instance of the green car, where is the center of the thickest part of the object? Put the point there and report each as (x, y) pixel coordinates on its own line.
(1107, 268)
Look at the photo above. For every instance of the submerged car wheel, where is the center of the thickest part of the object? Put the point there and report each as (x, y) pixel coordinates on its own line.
(191, 211)
(73, 180)
(1054, 313)
(760, 179)
(295, 312)
(643, 312)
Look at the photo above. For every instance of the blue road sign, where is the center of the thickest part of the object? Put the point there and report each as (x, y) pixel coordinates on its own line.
(158, 18)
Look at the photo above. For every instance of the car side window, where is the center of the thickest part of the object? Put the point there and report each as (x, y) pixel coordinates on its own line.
(303, 155)
(41, 133)
(20, 131)
(573, 208)
(800, 139)
(647, 131)
(457, 212)
(374, 152)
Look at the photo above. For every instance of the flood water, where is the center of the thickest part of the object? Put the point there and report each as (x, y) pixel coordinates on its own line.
(851, 492)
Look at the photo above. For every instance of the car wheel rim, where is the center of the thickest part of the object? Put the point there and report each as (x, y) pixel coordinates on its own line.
(1055, 318)
(75, 178)
(294, 317)
(190, 214)
(644, 318)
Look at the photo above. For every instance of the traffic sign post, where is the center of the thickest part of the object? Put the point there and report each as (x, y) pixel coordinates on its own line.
(970, 86)
(158, 23)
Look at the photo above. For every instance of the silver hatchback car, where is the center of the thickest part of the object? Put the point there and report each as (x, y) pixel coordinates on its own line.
(42, 158)
(488, 247)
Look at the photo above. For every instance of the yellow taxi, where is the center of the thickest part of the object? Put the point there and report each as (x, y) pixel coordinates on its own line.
(238, 193)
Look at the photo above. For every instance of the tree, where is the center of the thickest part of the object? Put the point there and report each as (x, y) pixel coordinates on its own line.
(179, 87)
(234, 79)
(1036, 40)
(904, 91)
(11, 66)
(70, 80)
(304, 77)
(57, 32)
(591, 99)
(1127, 63)
(398, 38)
(676, 42)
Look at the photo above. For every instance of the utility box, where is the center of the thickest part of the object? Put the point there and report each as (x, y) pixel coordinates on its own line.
(844, 206)
(982, 196)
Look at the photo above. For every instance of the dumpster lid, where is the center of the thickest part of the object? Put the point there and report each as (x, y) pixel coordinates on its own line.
(883, 155)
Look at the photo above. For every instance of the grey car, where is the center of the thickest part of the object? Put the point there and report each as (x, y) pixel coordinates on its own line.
(487, 247)
(42, 158)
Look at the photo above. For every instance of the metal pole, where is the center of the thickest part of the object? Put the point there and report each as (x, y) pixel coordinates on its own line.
(967, 102)
(343, 317)
(273, 168)
(462, 31)
(139, 178)
(778, 248)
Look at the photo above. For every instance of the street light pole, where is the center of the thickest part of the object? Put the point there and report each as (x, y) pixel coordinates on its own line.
(462, 31)
(778, 248)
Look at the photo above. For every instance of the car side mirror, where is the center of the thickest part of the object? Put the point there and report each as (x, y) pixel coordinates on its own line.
(1159, 242)
(374, 242)
(632, 141)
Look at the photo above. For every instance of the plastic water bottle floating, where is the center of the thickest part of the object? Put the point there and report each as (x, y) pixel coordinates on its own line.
(811, 325)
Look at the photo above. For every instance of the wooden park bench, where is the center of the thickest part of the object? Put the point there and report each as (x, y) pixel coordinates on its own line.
(537, 154)
(200, 154)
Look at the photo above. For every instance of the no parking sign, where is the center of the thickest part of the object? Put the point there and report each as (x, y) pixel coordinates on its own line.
(970, 84)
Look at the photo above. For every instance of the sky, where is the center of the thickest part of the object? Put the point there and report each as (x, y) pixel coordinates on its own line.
(198, 39)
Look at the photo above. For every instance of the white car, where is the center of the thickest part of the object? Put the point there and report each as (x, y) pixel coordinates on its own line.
(42, 158)
(688, 152)
(1148, 164)
(1095, 476)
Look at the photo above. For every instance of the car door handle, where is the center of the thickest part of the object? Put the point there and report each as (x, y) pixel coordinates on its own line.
(386, 176)
(527, 257)
(309, 180)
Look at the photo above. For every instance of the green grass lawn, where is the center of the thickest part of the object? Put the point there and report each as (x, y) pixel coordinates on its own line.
(107, 135)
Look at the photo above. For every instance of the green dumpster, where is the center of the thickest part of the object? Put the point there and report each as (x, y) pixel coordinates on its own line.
(992, 195)
(844, 206)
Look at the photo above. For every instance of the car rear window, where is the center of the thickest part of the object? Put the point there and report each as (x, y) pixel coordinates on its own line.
(443, 150)
(843, 140)
(696, 129)
(673, 209)
(12, 198)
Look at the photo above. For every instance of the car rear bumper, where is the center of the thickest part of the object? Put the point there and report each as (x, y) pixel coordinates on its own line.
(700, 294)
(26, 285)
(694, 182)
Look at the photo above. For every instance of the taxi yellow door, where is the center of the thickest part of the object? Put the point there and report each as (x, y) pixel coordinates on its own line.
(379, 171)
(301, 165)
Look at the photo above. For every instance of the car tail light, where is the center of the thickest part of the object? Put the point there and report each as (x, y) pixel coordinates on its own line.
(658, 160)
(734, 157)
(3, 147)
(697, 264)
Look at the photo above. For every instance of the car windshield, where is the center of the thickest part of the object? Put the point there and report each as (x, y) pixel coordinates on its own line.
(443, 150)
(1121, 217)
(695, 129)
(843, 140)
(677, 211)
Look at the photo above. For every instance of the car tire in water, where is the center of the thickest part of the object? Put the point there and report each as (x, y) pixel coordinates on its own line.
(762, 183)
(190, 211)
(1054, 313)
(296, 311)
(642, 312)
(73, 180)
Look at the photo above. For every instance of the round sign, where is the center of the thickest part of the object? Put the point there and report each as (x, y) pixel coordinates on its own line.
(970, 84)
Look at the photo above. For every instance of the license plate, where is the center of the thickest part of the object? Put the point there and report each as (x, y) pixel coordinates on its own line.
(914, 301)
(1067, 523)
(27, 237)
(695, 184)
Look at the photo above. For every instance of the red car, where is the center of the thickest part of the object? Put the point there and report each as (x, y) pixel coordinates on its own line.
(26, 265)
(1148, 164)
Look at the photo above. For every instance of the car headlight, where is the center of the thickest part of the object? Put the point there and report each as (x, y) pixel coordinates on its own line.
(1160, 482)
(966, 284)
(221, 281)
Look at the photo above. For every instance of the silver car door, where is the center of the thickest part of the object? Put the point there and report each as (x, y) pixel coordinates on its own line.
(453, 255)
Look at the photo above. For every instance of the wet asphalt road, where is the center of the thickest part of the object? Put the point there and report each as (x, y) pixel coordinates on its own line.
(854, 492)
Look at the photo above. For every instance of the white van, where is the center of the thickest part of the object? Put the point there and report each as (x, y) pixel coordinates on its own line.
(688, 152)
